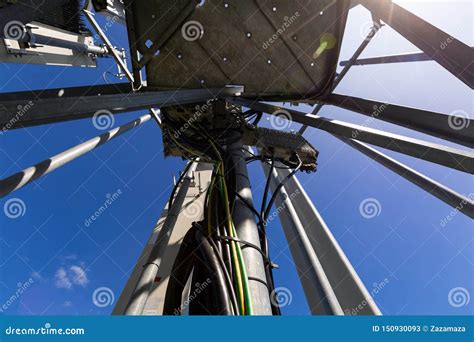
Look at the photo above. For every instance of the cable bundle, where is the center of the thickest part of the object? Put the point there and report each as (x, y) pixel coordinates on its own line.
(211, 251)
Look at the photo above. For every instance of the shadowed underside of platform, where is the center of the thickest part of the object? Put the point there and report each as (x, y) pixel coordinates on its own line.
(276, 50)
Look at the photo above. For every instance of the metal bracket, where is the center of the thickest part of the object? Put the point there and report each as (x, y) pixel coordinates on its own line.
(118, 57)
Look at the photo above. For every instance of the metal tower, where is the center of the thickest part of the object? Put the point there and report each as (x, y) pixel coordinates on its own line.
(206, 71)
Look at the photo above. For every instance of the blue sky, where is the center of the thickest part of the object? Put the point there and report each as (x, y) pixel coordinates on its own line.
(406, 244)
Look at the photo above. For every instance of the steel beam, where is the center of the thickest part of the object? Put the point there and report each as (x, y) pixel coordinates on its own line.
(46, 109)
(356, 55)
(132, 42)
(28, 175)
(401, 58)
(145, 282)
(330, 283)
(83, 91)
(115, 54)
(436, 153)
(191, 211)
(449, 52)
(317, 288)
(448, 196)
(346, 68)
(424, 121)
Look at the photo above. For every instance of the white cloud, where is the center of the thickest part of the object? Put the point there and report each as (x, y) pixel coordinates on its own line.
(62, 279)
(79, 276)
(37, 276)
(67, 278)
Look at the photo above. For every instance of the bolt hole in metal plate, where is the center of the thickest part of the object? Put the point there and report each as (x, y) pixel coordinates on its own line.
(278, 50)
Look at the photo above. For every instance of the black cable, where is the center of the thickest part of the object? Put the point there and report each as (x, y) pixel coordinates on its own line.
(249, 113)
(230, 178)
(282, 183)
(175, 188)
(247, 244)
(264, 241)
(216, 296)
(257, 119)
(202, 303)
(267, 190)
(264, 160)
(227, 275)
(212, 273)
(248, 205)
(182, 267)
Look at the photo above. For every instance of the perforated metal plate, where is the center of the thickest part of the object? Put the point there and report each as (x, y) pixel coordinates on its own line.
(276, 49)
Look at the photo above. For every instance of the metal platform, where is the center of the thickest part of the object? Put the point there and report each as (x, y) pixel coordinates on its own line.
(268, 47)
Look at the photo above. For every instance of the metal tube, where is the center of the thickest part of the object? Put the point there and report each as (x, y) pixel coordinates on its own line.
(115, 54)
(61, 43)
(436, 153)
(356, 55)
(401, 58)
(247, 231)
(424, 121)
(318, 290)
(448, 196)
(20, 179)
(150, 269)
(346, 284)
(156, 116)
(81, 102)
(452, 54)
